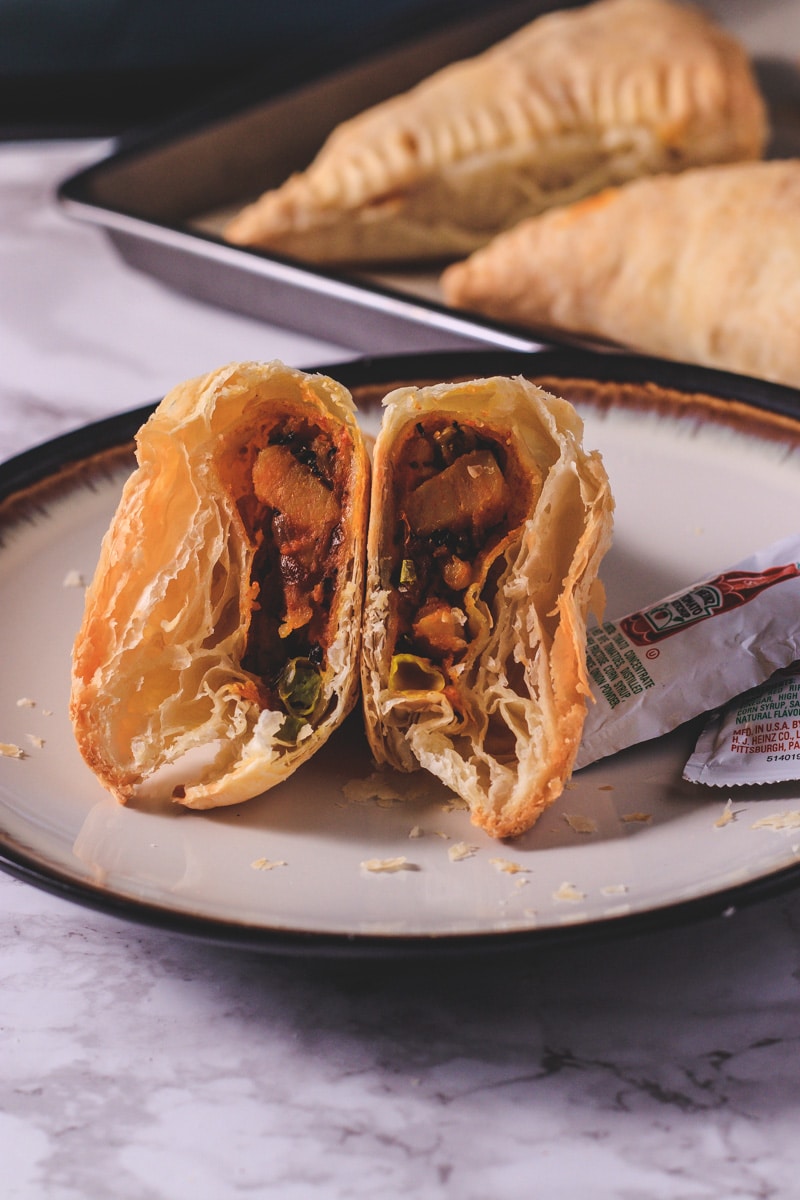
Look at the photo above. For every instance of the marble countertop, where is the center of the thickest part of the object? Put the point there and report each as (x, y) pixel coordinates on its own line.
(136, 1064)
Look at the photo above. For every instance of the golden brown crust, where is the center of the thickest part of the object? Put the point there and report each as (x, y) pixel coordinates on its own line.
(571, 103)
(505, 734)
(702, 267)
(165, 700)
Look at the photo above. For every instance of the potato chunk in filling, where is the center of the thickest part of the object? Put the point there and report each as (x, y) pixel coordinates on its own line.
(469, 495)
(284, 483)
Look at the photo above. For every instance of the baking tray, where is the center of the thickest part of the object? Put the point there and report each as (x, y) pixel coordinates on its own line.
(162, 197)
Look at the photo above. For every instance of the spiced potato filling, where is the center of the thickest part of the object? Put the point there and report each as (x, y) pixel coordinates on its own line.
(291, 487)
(459, 497)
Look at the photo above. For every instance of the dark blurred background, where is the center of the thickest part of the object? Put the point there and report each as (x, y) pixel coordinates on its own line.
(87, 67)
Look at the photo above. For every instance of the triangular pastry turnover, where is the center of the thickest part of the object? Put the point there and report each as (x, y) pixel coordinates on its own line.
(702, 267)
(574, 101)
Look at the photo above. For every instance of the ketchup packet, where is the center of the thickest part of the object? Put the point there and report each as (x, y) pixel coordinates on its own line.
(754, 739)
(693, 651)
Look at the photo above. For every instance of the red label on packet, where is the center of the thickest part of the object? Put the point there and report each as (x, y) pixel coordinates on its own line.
(719, 595)
(692, 652)
(754, 739)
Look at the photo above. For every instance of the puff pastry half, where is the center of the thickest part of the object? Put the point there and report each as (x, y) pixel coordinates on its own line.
(488, 525)
(573, 102)
(220, 640)
(703, 267)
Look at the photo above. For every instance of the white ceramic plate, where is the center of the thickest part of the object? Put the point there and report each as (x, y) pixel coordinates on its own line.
(698, 486)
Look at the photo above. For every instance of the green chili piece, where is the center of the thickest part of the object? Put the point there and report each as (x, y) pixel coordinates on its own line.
(299, 687)
(289, 731)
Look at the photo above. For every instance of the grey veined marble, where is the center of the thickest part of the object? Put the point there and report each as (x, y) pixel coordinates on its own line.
(139, 1065)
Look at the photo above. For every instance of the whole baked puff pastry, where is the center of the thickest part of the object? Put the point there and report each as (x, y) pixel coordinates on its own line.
(487, 528)
(571, 103)
(703, 267)
(220, 640)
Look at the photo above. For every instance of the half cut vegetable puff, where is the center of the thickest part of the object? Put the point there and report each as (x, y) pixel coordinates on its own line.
(488, 525)
(220, 640)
